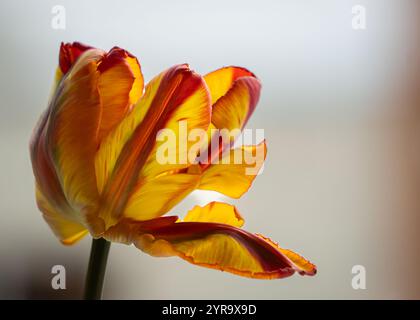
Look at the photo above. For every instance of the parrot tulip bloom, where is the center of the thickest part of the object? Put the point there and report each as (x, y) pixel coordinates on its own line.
(94, 149)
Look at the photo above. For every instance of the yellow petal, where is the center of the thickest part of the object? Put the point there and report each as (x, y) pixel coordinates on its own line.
(221, 80)
(66, 230)
(213, 245)
(217, 212)
(233, 110)
(154, 198)
(235, 172)
(235, 93)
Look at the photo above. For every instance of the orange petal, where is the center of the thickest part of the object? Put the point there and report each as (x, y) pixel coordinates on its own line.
(72, 131)
(215, 244)
(235, 172)
(50, 197)
(127, 157)
(90, 100)
(82, 109)
(43, 168)
(120, 85)
(45, 175)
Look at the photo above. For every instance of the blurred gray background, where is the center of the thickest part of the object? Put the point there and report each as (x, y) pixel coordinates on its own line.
(341, 113)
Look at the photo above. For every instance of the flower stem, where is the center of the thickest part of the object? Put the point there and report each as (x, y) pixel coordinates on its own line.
(96, 269)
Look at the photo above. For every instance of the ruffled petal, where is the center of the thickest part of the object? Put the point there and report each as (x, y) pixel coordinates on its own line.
(233, 110)
(216, 244)
(235, 93)
(217, 212)
(221, 80)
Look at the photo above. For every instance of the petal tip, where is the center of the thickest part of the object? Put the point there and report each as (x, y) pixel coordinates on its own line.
(69, 52)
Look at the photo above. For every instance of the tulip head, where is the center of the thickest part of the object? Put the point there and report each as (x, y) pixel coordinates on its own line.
(96, 155)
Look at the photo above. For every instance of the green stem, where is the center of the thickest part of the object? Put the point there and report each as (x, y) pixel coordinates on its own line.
(96, 269)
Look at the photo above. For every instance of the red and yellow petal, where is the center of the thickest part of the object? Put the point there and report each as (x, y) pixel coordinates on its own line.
(50, 197)
(221, 80)
(233, 110)
(72, 130)
(218, 244)
(235, 93)
(127, 158)
(93, 97)
(120, 85)
(69, 53)
(46, 178)
(235, 172)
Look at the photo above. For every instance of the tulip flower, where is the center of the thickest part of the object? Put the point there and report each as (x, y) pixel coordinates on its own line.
(94, 158)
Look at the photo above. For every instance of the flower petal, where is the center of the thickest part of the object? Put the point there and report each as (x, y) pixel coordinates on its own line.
(120, 85)
(49, 194)
(217, 212)
(91, 99)
(151, 199)
(127, 156)
(69, 53)
(235, 93)
(72, 131)
(66, 230)
(221, 80)
(83, 107)
(233, 110)
(215, 245)
(46, 178)
(235, 172)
